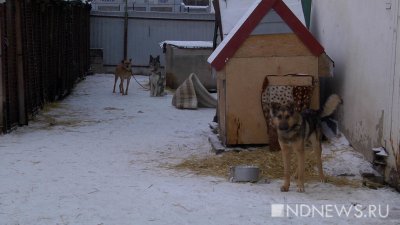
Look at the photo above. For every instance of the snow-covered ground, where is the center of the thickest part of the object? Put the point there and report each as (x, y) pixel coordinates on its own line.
(99, 158)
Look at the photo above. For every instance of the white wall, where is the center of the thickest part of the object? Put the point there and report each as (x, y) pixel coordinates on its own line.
(360, 36)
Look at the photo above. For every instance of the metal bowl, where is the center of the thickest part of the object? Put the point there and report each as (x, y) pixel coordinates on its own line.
(244, 173)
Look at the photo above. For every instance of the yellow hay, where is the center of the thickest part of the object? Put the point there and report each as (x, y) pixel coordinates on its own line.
(269, 162)
(63, 118)
(51, 105)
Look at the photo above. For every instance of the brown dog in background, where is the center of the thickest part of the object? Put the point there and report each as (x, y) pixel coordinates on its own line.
(123, 71)
(294, 129)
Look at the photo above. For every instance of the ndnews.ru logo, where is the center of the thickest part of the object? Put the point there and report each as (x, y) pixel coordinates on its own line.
(329, 210)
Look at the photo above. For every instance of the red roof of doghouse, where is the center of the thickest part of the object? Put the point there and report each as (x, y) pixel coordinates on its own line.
(227, 48)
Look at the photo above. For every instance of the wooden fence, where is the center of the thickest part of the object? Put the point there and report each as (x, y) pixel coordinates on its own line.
(44, 52)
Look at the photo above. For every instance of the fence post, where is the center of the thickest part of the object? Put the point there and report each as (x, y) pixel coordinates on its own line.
(2, 91)
(23, 120)
(126, 31)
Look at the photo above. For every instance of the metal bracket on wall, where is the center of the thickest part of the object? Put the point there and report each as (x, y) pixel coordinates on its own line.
(388, 4)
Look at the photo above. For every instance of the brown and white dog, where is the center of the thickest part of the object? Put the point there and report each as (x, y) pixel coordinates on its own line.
(123, 71)
(294, 129)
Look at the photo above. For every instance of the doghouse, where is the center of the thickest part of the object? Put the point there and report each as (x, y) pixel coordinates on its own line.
(268, 40)
(185, 57)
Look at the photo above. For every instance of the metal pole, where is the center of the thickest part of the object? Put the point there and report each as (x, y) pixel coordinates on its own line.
(126, 31)
(2, 89)
(23, 120)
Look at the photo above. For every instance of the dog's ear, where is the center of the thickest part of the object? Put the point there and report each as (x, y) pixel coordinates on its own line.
(130, 60)
(158, 58)
(151, 58)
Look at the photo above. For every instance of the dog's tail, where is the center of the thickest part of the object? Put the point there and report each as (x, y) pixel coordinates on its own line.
(330, 105)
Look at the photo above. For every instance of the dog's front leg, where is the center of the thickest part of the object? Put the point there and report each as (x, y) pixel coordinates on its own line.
(286, 166)
(127, 85)
(121, 86)
(115, 82)
(151, 85)
(157, 89)
(299, 148)
(151, 89)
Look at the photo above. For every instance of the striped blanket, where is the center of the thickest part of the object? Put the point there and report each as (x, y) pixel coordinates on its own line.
(191, 94)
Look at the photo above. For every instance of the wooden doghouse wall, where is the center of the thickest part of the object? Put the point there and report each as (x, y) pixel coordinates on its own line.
(241, 116)
(221, 86)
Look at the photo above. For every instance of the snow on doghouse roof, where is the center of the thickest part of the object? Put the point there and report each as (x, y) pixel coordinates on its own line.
(250, 19)
(188, 44)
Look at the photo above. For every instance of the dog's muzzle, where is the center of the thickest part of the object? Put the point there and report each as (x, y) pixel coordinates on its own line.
(283, 126)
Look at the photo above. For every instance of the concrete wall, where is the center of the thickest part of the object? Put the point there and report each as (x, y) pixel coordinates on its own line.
(145, 32)
(361, 37)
